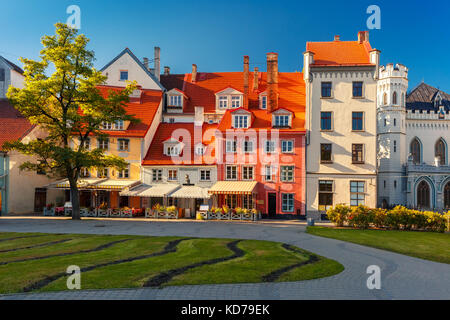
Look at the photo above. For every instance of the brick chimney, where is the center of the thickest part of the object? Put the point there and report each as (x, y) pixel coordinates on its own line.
(166, 70)
(146, 63)
(363, 36)
(272, 81)
(194, 73)
(255, 79)
(246, 74)
(157, 63)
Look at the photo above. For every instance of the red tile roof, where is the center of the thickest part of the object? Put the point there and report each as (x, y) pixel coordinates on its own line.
(144, 109)
(13, 125)
(155, 154)
(340, 53)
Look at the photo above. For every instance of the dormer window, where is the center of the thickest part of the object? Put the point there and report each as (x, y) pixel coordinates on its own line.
(172, 147)
(123, 75)
(175, 101)
(241, 121)
(119, 125)
(223, 102)
(263, 102)
(200, 149)
(172, 151)
(235, 101)
(107, 125)
(282, 120)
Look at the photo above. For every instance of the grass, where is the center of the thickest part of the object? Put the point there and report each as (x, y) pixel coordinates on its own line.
(425, 245)
(260, 258)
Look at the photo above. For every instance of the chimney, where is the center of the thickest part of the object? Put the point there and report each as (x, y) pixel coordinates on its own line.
(374, 56)
(308, 59)
(337, 38)
(272, 81)
(146, 63)
(255, 79)
(363, 36)
(157, 63)
(246, 74)
(166, 70)
(194, 72)
(199, 116)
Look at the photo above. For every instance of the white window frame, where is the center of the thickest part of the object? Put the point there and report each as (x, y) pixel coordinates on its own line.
(263, 102)
(119, 144)
(118, 125)
(282, 173)
(107, 125)
(288, 142)
(124, 174)
(272, 146)
(204, 173)
(171, 176)
(156, 175)
(241, 121)
(231, 146)
(172, 150)
(223, 102)
(235, 101)
(246, 173)
(245, 145)
(290, 199)
(103, 175)
(234, 173)
(102, 143)
(269, 172)
(278, 122)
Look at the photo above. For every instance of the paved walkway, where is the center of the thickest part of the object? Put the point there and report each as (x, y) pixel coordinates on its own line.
(403, 277)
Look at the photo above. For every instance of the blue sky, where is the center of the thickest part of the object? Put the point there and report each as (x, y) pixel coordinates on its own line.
(216, 34)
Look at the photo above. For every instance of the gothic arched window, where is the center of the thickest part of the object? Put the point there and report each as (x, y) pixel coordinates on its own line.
(394, 98)
(440, 151)
(447, 196)
(423, 195)
(415, 151)
(385, 99)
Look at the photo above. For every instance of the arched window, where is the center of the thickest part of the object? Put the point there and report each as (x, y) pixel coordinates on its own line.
(394, 98)
(403, 99)
(415, 151)
(385, 99)
(439, 151)
(447, 196)
(423, 195)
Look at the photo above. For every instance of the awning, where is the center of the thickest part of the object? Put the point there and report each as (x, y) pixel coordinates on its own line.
(154, 190)
(96, 184)
(233, 187)
(190, 192)
(81, 183)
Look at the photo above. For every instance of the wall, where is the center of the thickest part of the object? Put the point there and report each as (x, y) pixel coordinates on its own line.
(192, 171)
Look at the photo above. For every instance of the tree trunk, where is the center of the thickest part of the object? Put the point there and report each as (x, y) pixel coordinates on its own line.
(75, 195)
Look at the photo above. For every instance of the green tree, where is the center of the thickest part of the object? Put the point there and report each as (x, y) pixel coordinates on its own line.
(68, 106)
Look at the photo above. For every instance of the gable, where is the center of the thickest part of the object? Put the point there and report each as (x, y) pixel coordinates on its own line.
(127, 61)
(229, 90)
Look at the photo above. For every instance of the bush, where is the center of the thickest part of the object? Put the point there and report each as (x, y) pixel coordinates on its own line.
(379, 217)
(361, 217)
(339, 214)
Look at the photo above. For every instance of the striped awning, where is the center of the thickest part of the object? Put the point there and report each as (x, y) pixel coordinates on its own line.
(190, 192)
(97, 184)
(154, 190)
(233, 187)
(81, 183)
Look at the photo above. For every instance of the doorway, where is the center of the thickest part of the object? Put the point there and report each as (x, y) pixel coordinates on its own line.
(40, 199)
(272, 204)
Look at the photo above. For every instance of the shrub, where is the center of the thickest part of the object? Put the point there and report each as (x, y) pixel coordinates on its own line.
(394, 218)
(339, 214)
(379, 217)
(361, 217)
(435, 221)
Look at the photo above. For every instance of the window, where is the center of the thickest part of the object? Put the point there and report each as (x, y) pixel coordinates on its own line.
(240, 121)
(385, 122)
(223, 102)
(231, 146)
(124, 144)
(123, 75)
(248, 146)
(287, 173)
(269, 146)
(357, 89)
(231, 200)
(205, 175)
(395, 184)
(231, 173)
(325, 121)
(394, 98)
(325, 152)
(326, 89)
(235, 101)
(423, 195)
(287, 201)
(325, 194)
(87, 143)
(395, 146)
(263, 102)
(124, 174)
(102, 172)
(282, 121)
(172, 174)
(357, 195)
(247, 173)
(247, 201)
(107, 125)
(357, 153)
(84, 173)
(268, 174)
(395, 122)
(103, 143)
(156, 175)
(287, 146)
(175, 101)
(172, 151)
(118, 125)
(385, 102)
(439, 151)
(415, 151)
(357, 121)
(200, 150)
(2, 74)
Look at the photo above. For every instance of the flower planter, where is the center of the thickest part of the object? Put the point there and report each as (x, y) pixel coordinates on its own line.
(161, 214)
(68, 212)
(224, 216)
(150, 213)
(247, 216)
(114, 213)
(92, 212)
(49, 211)
(84, 212)
(102, 213)
(126, 213)
(236, 216)
(172, 214)
(212, 215)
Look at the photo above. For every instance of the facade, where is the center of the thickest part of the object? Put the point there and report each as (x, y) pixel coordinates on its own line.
(341, 100)
(413, 136)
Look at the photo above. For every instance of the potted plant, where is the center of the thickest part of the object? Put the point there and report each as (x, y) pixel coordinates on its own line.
(92, 212)
(84, 211)
(102, 210)
(126, 212)
(172, 212)
(49, 210)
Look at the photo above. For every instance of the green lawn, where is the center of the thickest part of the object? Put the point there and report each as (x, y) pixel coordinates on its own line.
(131, 261)
(426, 245)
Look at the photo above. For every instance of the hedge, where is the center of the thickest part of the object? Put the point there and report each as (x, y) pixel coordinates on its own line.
(399, 218)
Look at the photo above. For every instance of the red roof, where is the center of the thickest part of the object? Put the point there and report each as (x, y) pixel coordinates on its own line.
(155, 154)
(13, 125)
(340, 53)
(144, 109)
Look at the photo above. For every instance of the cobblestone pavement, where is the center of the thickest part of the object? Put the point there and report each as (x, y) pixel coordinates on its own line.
(402, 277)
